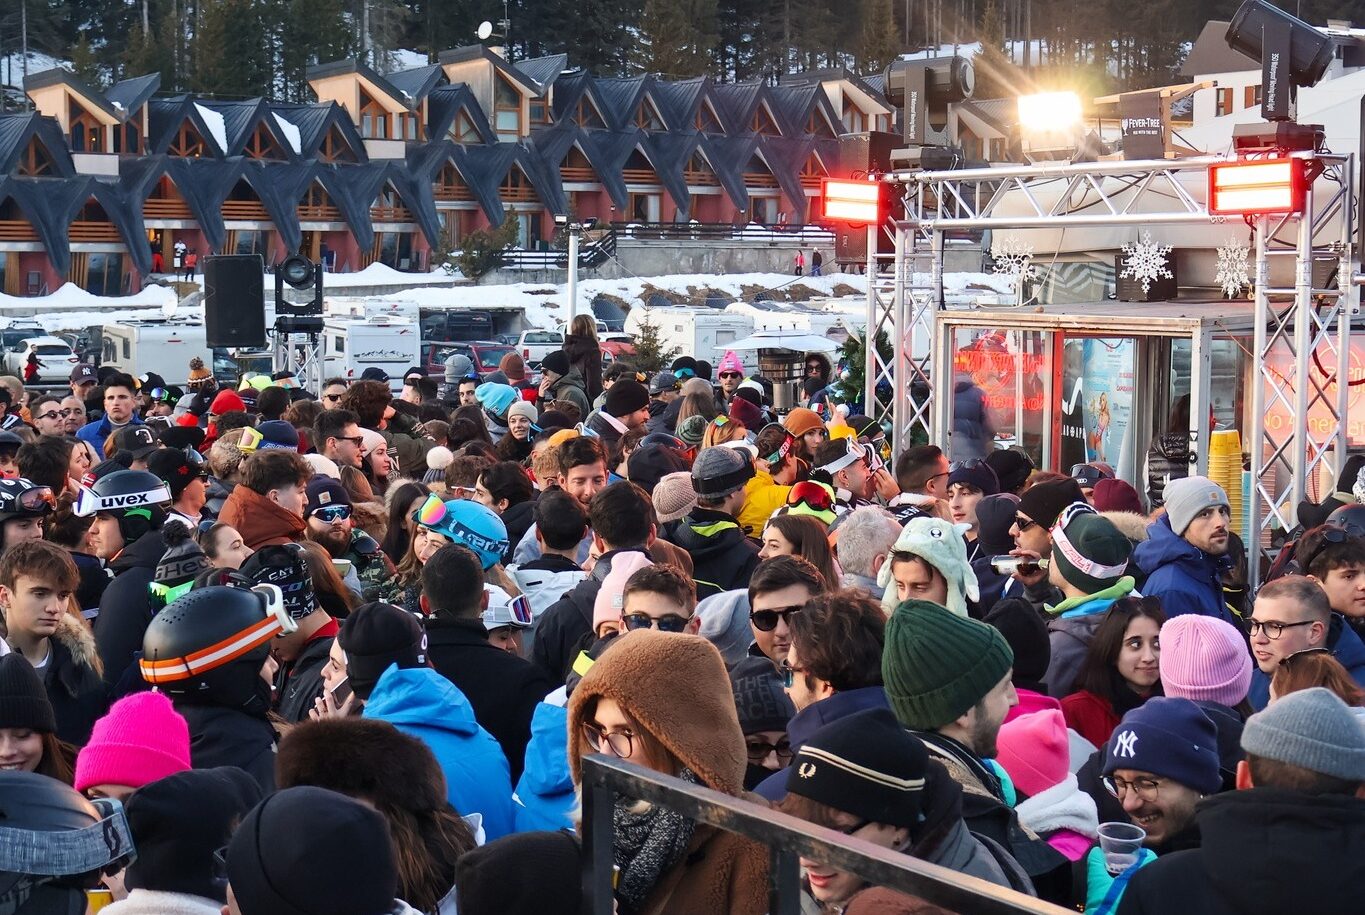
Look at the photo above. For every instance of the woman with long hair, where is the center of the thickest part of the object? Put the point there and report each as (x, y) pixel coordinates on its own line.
(721, 430)
(397, 775)
(329, 589)
(402, 503)
(28, 726)
(1122, 669)
(375, 461)
(697, 404)
(585, 353)
(521, 428)
(1316, 667)
(474, 413)
(667, 862)
(799, 535)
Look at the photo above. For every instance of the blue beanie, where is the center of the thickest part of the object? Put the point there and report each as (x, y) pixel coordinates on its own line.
(1170, 738)
(496, 398)
(473, 525)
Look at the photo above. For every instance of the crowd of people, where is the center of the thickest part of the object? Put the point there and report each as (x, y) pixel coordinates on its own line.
(273, 650)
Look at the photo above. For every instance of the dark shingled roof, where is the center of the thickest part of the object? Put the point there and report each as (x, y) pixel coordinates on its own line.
(128, 95)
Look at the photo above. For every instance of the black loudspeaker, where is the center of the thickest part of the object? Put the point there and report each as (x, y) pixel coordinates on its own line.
(862, 153)
(234, 300)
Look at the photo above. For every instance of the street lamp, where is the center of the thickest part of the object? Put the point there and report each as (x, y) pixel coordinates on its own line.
(575, 228)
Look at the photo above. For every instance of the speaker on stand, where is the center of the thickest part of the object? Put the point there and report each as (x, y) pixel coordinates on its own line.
(234, 300)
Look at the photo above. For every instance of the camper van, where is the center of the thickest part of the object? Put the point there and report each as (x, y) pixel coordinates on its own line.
(162, 346)
(702, 333)
(350, 346)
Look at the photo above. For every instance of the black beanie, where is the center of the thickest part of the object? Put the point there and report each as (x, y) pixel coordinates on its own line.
(492, 879)
(183, 560)
(23, 699)
(625, 397)
(557, 362)
(310, 851)
(994, 518)
(760, 700)
(284, 566)
(178, 822)
(376, 635)
(1026, 632)
(1011, 467)
(1043, 502)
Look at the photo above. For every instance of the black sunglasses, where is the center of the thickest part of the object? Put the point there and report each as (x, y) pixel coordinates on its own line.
(766, 620)
(670, 622)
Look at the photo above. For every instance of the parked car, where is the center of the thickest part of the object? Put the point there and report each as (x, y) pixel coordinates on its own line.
(535, 345)
(616, 349)
(485, 354)
(54, 355)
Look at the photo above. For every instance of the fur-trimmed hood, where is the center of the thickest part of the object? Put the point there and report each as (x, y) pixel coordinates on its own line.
(643, 671)
(77, 638)
(380, 762)
(1131, 525)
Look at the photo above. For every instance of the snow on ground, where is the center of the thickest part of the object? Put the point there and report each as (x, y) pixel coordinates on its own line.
(71, 307)
(378, 274)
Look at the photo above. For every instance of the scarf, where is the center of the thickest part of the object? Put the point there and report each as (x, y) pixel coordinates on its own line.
(646, 845)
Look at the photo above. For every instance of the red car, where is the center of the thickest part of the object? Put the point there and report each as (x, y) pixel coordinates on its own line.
(484, 354)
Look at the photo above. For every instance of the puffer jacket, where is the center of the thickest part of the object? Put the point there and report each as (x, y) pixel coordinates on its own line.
(1071, 630)
(762, 498)
(1168, 459)
(1184, 577)
(722, 557)
(423, 704)
(545, 799)
(260, 521)
(75, 688)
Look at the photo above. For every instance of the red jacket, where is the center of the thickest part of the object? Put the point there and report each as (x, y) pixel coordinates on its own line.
(259, 520)
(1088, 715)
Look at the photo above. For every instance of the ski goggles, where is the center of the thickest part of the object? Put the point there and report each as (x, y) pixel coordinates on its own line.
(89, 503)
(813, 495)
(331, 514)
(38, 499)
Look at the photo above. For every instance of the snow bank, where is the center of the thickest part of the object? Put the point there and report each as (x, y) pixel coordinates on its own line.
(378, 274)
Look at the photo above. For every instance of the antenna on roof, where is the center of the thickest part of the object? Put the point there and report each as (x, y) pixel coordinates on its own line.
(485, 30)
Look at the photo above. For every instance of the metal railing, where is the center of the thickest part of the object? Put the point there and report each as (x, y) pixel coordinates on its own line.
(591, 255)
(787, 839)
(674, 231)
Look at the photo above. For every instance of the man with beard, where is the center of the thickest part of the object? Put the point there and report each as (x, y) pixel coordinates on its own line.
(1186, 551)
(327, 512)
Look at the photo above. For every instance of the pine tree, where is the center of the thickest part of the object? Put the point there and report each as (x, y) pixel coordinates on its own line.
(879, 45)
(650, 356)
(679, 36)
(232, 50)
(851, 387)
(146, 54)
(86, 65)
(993, 69)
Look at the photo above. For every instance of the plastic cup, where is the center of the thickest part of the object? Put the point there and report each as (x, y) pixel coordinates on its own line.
(1121, 844)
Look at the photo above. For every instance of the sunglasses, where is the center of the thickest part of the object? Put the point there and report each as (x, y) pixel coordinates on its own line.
(973, 464)
(670, 622)
(789, 674)
(759, 749)
(766, 620)
(1023, 523)
(730, 375)
(357, 440)
(812, 494)
(330, 514)
(1284, 662)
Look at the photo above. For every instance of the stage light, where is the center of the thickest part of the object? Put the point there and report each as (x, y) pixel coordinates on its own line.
(856, 202)
(1257, 186)
(1050, 112)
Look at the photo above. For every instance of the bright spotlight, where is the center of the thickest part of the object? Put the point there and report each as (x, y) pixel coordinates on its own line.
(1049, 112)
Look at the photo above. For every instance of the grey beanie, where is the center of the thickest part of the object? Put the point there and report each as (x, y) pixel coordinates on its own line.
(1312, 729)
(725, 624)
(717, 472)
(1188, 496)
(458, 365)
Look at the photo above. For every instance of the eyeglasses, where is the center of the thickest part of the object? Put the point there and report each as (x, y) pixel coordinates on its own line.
(850, 830)
(759, 749)
(813, 494)
(1148, 789)
(621, 743)
(730, 375)
(1023, 523)
(1330, 536)
(766, 620)
(669, 622)
(789, 674)
(1284, 661)
(1273, 628)
(331, 514)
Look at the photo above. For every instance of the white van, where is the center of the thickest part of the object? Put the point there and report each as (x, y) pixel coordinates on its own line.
(350, 346)
(163, 346)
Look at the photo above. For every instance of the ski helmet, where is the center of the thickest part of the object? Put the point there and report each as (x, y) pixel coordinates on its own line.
(208, 646)
(1351, 518)
(55, 844)
(136, 497)
(21, 498)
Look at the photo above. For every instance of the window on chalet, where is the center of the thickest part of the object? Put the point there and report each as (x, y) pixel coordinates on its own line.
(462, 129)
(855, 119)
(1222, 102)
(36, 160)
(334, 147)
(588, 116)
(1251, 96)
(374, 119)
(706, 120)
(262, 145)
(647, 116)
(762, 121)
(507, 118)
(408, 124)
(818, 125)
(128, 138)
(188, 143)
(87, 133)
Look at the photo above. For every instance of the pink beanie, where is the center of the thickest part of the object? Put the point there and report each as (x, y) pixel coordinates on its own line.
(611, 596)
(730, 363)
(141, 739)
(1034, 750)
(1204, 659)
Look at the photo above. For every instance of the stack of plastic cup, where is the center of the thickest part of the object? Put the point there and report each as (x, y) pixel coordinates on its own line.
(1225, 469)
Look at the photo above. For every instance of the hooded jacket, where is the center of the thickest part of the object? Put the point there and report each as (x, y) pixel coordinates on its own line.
(518, 520)
(502, 689)
(1345, 645)
(722, 557)
(945, 840)
(546, 580)
(1262, 850)
(565, 628)
(585, 355)
(762, 498)
(423, 704)
(1187, 579)
(126, 608)
(301, 682)
(719, 871)
(1064, 815)
(811, 719)
(1071, 630)
(230, 737)
(545, 799)
(570, 388)
(75, 688)
(260, 521)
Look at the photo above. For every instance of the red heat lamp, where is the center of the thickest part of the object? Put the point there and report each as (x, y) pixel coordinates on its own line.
(855, 202)
(1254, 187)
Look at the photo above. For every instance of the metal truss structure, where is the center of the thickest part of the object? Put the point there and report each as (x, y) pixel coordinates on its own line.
(1312, 322)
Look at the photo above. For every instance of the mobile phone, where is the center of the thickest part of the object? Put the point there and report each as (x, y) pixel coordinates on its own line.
(341, 692)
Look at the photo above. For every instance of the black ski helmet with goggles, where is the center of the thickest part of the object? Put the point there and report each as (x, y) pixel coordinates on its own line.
(21, 498)
(207, 647)
(137, 498)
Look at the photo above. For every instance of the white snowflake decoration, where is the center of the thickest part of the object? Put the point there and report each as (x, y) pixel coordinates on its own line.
(1013, 258)
(1146, 261)
(1234, 268)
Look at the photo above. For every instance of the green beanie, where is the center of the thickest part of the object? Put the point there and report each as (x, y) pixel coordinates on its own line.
(936, 665)
(1090, 552)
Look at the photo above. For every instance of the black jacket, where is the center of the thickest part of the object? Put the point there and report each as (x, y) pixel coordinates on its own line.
(79, 697)
(518, 520)
(723, 559)
(503, 688)
(1263, 851)
(126, 608)
(301, 682)
(94, 578)
(228, 737)
(565, 628)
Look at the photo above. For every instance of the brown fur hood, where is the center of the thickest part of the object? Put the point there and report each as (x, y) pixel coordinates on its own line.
(676, 687)
(1130, 525)
(380, 762)
(75, 635)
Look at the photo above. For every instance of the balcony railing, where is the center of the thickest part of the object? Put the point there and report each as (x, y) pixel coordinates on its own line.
(17, 230)
(701, 179)
(319, 213)
(575, 174)
(452, 192)
(390, 214)
(752, 180)
(812, 181)
(521, 194)
(93, 232)
(252, 210)
(640, 176)
(166, 208)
